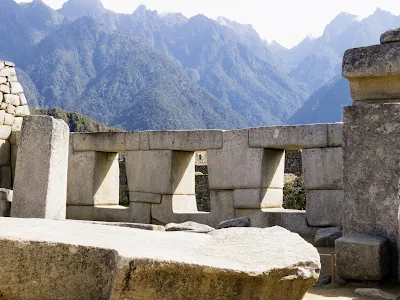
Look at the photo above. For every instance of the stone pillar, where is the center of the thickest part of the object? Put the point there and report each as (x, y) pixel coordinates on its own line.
(371, 158)
(40, 190)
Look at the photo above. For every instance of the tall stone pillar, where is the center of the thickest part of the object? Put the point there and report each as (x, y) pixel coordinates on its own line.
(40, 187)
(371, 150)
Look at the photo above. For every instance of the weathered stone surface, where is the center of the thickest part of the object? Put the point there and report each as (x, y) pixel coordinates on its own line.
(186, 140)
(150, 227)
(16, 88)
(238, 222)
(289, 137)
(323, 168)
(6, 196)
(23, 99)
(390, 36)
(103, 213)
(5, 153)
(362, 257)
(15, 138)
(235, 263)
(106, 141)
(324, 207)
(189, 227)
(2, 116)
(22, 111)
(144, 141)
(293, 220)
(236, 166)
(373, 72)
(5, 131)
(8, 72)
(42, 192)
(375, 294)
(11, 109)
(6, 90)
(6, 177)
(9, 99)
(335, 135)
(326, 237)
(145, 197)
(371, 180)
(8, 119)
(161, 172)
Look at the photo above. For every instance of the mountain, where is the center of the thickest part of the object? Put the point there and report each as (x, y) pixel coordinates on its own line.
(40, 16)
(75, 9)
(118, 80)
(325, 105)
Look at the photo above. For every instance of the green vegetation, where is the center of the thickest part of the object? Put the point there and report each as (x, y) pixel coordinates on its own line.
(294, 192)
(76, 122)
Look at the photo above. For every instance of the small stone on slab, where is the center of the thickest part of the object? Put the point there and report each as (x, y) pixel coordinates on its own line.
(391, 36)
(326, 237)
(239, 222)
(189, 227)
(375, 294)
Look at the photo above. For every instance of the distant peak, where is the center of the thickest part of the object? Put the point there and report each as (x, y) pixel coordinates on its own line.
(78, 8)
(143, 11)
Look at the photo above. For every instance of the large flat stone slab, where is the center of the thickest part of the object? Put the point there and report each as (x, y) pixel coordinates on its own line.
(105, 141)
(71, 260)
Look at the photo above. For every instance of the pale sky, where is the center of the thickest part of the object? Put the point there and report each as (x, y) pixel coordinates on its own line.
(286, 21)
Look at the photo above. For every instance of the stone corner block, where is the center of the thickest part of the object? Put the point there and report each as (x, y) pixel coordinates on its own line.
(362, 257)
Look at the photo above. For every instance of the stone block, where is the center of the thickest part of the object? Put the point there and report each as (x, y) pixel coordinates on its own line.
(373, 72)
(222, 207)
(8, 119)
(140, 212)
(186, 140)
(104, 262)
(335, 135)
(289, 137)
(6, 177)
(161, 172)
(103, 213)
(15, 138)
(371, 178)
(249, 198)
(5, 153)
(17, 124)
(323, 168)
(326, 237)
(6, 196)
(145, 197)
(16, 88)
(293, 220)
(362, 257)
(238, 222)
(189, 227)
(42, 192)
(6, 90)
(236, 166)
(5, 131)
(106, 179)
(271, 198)
(106, 141)
(9, 99)
(324, 207)
(93, 178)
(2, 115)
(22, 111)
(144, 141)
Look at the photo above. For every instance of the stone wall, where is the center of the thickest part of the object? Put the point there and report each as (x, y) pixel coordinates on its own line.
(13, 108)
(240, 174)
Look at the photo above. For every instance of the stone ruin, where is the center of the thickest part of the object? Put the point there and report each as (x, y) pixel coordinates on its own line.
(351, 172)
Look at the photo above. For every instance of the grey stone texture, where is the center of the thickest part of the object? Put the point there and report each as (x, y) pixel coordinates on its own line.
(236, 166)
(335, 135)
(238, 222)
(105, 262)
(161, 172)
(325, 207)
(390, 36)
(289, 137)
(373, 72)
(185, 140)
(323, 168)
(189, 227)
(374, 293)
(41, 191)
(6, 196)
(362, 257)
(106, 141)
(326, 237)
(371, 179)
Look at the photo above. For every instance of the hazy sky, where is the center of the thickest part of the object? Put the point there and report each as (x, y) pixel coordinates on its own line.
(287, 21)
